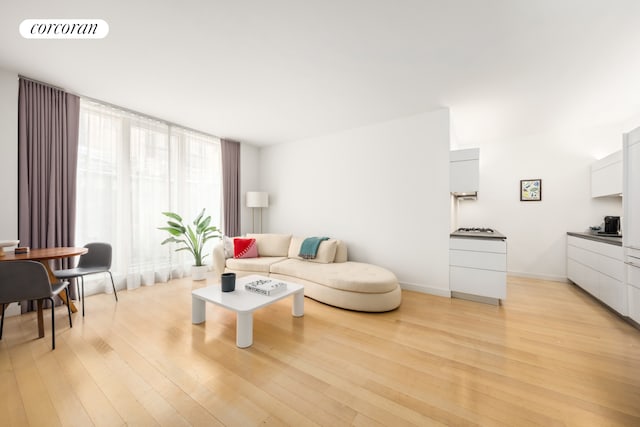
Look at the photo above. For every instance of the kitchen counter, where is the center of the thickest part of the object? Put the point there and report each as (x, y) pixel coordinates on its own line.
(611, 240)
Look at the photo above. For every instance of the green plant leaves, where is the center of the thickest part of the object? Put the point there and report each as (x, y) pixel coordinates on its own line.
(194, 238)
(173, 215)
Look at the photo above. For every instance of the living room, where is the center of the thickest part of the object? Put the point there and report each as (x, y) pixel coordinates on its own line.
(349, 133)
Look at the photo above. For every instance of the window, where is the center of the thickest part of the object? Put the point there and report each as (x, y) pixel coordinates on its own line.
(132, 168)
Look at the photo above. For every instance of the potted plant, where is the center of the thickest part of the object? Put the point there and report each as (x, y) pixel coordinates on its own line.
(191, 239)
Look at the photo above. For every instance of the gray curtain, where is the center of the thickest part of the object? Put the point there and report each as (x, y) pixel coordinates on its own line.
(231, 187)
(48, 120)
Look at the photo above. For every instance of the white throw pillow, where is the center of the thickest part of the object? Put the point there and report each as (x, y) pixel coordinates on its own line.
(228, 246)
(272, 244)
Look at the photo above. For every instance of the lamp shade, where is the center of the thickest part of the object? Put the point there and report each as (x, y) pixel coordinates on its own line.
(257, 199)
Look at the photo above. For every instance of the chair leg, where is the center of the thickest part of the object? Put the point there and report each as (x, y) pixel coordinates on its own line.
(53, 325)
(66, 290)
(113, 285)
(82, 285)
(2, 322)
(78, 288)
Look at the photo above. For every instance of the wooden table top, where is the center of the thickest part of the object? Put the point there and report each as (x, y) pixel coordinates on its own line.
(44, 253)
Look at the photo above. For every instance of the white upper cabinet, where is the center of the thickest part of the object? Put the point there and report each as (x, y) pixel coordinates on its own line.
(606, 176)
(464, 171)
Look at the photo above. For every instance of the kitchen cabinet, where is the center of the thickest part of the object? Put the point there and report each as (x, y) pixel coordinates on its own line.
(633, 288)
(631, 199)
(606, 176)
(631, 226)
(598, 268)
(478, 267)
(464, 172)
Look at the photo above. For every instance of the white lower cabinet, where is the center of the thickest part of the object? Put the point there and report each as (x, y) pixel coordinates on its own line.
(472, 281)
(613, 293)
(478, 267)
(634, 302)
(598, 268)
(633, 284)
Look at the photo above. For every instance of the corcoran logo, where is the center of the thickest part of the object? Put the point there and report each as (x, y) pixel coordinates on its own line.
(64, 29)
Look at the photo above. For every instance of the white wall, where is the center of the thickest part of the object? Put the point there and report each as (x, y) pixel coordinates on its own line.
(9, 155)
(536, 231)
(384, 189)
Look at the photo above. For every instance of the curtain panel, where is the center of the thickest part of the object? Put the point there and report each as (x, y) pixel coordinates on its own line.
(47, 158)
(131, 168)
(231, 187)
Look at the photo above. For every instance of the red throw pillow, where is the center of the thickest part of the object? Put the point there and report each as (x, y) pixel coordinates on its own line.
(245, 248)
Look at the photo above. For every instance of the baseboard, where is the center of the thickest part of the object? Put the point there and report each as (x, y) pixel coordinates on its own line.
(426, 289)
(551, 278)
(447, 292)
(475, 298)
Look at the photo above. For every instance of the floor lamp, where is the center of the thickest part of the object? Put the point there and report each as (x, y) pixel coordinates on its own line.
(257, 199)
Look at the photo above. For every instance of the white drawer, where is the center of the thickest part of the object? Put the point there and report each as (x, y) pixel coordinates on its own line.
(611, 267)
(578, 242)
(612, 251)
(583, 276)
(633, 275)
(632, 252)
(480, 260)
(574, 270)
(634, 303)
(613, 293)
(479, 245)
(485, 283)
(581, 255)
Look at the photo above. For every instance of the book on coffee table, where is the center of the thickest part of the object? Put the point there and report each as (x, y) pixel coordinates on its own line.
(265, 287)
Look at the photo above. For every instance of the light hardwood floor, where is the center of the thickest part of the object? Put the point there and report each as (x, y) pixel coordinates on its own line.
(549, 356)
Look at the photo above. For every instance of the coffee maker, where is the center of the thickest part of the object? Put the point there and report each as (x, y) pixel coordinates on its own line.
(612, 225)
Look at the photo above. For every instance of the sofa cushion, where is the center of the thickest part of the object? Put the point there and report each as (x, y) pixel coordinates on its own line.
(347, 276)
(272, 244)
(326, 250)
(227, 243)
(341, 251)
(245, 248)
(261, 264)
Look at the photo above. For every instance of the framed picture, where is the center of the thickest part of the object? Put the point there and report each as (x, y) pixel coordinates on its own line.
(530, 190)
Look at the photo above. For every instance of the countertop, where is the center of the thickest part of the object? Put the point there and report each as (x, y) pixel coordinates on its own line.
(478, 235)
(617, 241)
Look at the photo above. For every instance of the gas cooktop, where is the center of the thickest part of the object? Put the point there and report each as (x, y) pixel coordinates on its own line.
(478, 232)
(475, 230)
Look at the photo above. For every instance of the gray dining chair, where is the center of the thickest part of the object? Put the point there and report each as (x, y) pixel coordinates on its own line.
(29, 280)
(96, 260)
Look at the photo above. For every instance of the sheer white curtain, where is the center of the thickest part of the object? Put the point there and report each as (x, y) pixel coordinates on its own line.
(131, 168)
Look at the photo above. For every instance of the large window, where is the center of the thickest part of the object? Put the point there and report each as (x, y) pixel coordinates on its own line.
(132, 168)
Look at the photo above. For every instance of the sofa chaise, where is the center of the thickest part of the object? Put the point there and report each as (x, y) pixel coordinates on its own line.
(329, 278)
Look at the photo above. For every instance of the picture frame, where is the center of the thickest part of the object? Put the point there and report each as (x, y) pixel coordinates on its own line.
(530, 190)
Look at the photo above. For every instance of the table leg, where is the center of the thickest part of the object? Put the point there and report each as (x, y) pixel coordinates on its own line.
(297, 310)
(244, 329)
(54, 279)
(40, 304)
(198, 310)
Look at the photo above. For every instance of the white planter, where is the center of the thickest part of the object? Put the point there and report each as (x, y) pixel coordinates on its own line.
(199, 272)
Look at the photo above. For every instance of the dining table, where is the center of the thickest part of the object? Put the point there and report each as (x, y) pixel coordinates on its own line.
(44, 256)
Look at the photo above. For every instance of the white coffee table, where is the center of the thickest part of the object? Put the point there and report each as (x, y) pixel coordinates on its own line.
(244, 303)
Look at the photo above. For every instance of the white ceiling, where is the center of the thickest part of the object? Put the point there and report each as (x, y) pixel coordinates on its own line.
(276, 71)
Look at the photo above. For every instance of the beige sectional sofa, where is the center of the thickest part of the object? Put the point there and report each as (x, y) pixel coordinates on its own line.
(329, 278)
